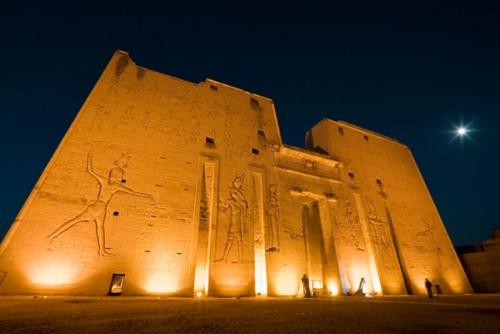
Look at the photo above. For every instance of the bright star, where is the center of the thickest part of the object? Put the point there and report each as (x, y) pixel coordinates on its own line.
(462, 131)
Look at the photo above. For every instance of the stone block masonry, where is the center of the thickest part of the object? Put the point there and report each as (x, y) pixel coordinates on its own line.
(166, 187)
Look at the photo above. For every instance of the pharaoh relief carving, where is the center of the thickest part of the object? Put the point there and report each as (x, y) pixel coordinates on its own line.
(425, 244)
(380, 234)
(352, 226)
(424, 237)
(236, 210)
(96, 211)
(273, 220)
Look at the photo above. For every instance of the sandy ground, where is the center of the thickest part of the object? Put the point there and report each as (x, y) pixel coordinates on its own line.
(446, 314)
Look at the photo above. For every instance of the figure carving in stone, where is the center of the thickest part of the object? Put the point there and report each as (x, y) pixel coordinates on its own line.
(352, 225)
(96, 211)
(378, 228)
(273, 215)
(379, 233)
(237, 206)
(293, 234)
(425, 237)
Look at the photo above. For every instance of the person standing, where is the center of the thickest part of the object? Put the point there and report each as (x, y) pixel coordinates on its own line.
(428, 286)
(305, 286)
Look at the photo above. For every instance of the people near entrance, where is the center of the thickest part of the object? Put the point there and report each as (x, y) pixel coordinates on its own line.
(428, 286)
(305, 286)
(362, 288)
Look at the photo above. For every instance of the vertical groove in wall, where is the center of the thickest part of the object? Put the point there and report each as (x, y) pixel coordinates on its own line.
(369, 246)
(331, 274)
(315, 243)
(259, 235)
(305, 228)
(206, 214)
(397, 249)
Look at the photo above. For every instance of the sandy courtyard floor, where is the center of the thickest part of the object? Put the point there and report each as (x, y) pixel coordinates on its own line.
(446, 314)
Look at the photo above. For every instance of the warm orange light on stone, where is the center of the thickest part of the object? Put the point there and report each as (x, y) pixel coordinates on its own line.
(161, 282)
(188, 187)
(287, 284)
(317, 284)
(333, 288)
(53, 274)
(260, 278)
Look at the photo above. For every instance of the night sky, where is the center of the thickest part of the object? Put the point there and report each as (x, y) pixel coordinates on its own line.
(411, 72)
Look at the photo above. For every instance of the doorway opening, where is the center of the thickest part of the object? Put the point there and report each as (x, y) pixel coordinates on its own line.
(116, 286)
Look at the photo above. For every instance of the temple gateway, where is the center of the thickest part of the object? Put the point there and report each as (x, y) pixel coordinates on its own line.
(167, 187)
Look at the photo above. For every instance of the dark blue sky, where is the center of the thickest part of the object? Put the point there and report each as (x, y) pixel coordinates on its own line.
(407, 71)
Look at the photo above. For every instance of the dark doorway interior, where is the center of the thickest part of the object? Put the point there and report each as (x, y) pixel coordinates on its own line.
(116, 286)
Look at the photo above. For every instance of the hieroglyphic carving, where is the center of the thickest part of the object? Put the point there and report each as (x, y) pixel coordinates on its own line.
(237, 205)
(145, 122)
(96, 211)
(273, 220)
(206, 195)
(100, 116)
(195, 131)
(149, 235)
(227, 137)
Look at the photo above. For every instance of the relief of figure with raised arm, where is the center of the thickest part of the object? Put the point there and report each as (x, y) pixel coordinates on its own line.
(95, 212)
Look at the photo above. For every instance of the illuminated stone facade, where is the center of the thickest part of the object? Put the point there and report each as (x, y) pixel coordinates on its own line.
(188, 188)
(483, 265)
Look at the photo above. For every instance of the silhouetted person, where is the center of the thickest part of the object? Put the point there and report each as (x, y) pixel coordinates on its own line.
(428, 286)
(305, 286)
(362, 288)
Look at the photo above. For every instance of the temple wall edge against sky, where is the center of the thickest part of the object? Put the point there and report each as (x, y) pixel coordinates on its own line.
(187, 188)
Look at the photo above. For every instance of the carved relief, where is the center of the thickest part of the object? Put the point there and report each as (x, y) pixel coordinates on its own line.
(380, 235)
(352, 225)
(100, 117)
(2, 276)
(424, 244)
(149, 235)
(146, 121)
(237, 207)
(273, 220)
(309, 164)
(206, 195)
(424, 238)
(96, 211)
(292, 233)
(227, 137)
(204, 212)
(195, 131)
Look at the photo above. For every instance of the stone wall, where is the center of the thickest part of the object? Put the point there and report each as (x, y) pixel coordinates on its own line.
(187, 188)
(403, 230)
(483, 266)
